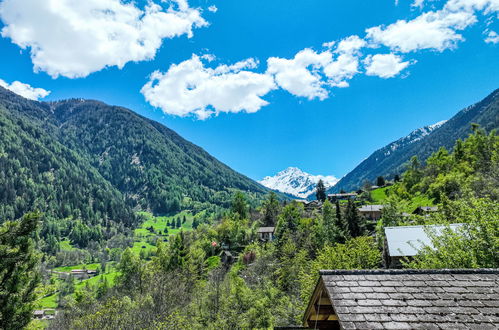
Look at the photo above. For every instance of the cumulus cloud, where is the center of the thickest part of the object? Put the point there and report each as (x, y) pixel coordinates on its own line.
(74, 38)
(192, 88)
(384, 65)
(301, 75)
(213, 8)
(492, 37)
(25, 90)
(431, 30)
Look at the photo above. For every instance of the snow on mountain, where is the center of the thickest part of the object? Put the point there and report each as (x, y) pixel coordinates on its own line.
(295, 182)
(414, 136)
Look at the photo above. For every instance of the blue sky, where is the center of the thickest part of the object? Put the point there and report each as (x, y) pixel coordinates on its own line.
(426, 80)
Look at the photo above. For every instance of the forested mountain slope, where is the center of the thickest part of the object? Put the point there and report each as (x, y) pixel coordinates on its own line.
(90, 160)
(388, 162)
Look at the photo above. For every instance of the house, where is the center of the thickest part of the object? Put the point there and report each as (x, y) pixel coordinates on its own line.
(309, 205)
(226, 257)
(266, 233)
(38, 314)
(83, 273)
(406, 241)
(424, 210)
(341, 197)
(371, 212)
(405, 299)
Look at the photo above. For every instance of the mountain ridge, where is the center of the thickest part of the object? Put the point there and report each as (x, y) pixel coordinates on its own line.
(485, 113)
(137, 162)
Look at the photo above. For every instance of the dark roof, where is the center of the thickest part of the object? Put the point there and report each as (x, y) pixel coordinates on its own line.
(414, 299)
(371, 208)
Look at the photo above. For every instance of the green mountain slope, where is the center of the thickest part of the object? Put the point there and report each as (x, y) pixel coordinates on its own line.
(90, 160)
(388, 162)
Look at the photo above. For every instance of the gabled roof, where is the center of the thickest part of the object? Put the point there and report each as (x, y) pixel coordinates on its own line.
(266, 229)
(371, 208)
(407, 240)
(410, 299)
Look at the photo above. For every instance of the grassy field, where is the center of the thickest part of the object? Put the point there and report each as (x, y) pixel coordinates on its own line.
(65, 245)
(379, 195)
(80, 266)
(159, 225)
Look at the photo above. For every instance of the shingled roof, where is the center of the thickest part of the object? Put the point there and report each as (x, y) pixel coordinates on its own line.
(405, 299)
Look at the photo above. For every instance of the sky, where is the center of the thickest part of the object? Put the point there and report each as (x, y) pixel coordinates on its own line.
(265, 84)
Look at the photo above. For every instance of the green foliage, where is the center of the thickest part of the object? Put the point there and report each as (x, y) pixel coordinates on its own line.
(475, 245)
(271, 208)
(357, 253)
(240, 205)
(19, 275)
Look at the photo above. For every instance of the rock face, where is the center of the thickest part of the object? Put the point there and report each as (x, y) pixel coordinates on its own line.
(295, 182)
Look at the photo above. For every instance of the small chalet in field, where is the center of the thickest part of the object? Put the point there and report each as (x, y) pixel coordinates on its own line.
(266, 233)
(406, 241)
(371, 212)
(38, 314)
(424, 210)
(341, 197)
(405, 299)
(83, 273)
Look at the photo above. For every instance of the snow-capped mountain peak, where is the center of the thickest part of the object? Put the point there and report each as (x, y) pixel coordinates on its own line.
(295, 182)
(414, 136)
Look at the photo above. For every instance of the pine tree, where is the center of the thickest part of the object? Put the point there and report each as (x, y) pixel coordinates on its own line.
(184, 219)
(320, 191)
(239, 205)
(270, 209)
(353, 220)
(340, 226)
(19, 274)
(178, 223)
(195, 223)
(380, 181)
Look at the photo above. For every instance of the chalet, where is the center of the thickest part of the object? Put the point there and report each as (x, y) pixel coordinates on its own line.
(83, 273)
(405, 299)
(371, 212)
(341, 197)
(309, 205)
(405, 241)
(38, 314)
(226, 257)
(266, 233)
(425, 210)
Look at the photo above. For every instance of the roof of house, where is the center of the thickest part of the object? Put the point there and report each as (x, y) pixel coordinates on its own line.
(38, 312)
(342, 195)
(426, 209)
(266, 229)
(371, 208)
(414, 299)
(408, 240)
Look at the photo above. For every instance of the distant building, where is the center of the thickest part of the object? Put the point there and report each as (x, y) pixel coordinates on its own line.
(266, 234)
(338, 197)
(38, 314)
(404, 299)
(406, 241)
(83, 273)
(371, 212)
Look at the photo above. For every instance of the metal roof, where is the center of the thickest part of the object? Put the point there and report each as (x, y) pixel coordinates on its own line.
(407, 240)
(371, 208)
(266, 229)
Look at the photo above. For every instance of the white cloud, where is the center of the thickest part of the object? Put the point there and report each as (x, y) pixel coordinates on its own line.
(492, 38)
(74, 38)
(191, 88)
(487, 6)
(418, 3)
(25, 90)
(213, 8)
(431, 30)
(301, 75)
(384, 65)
